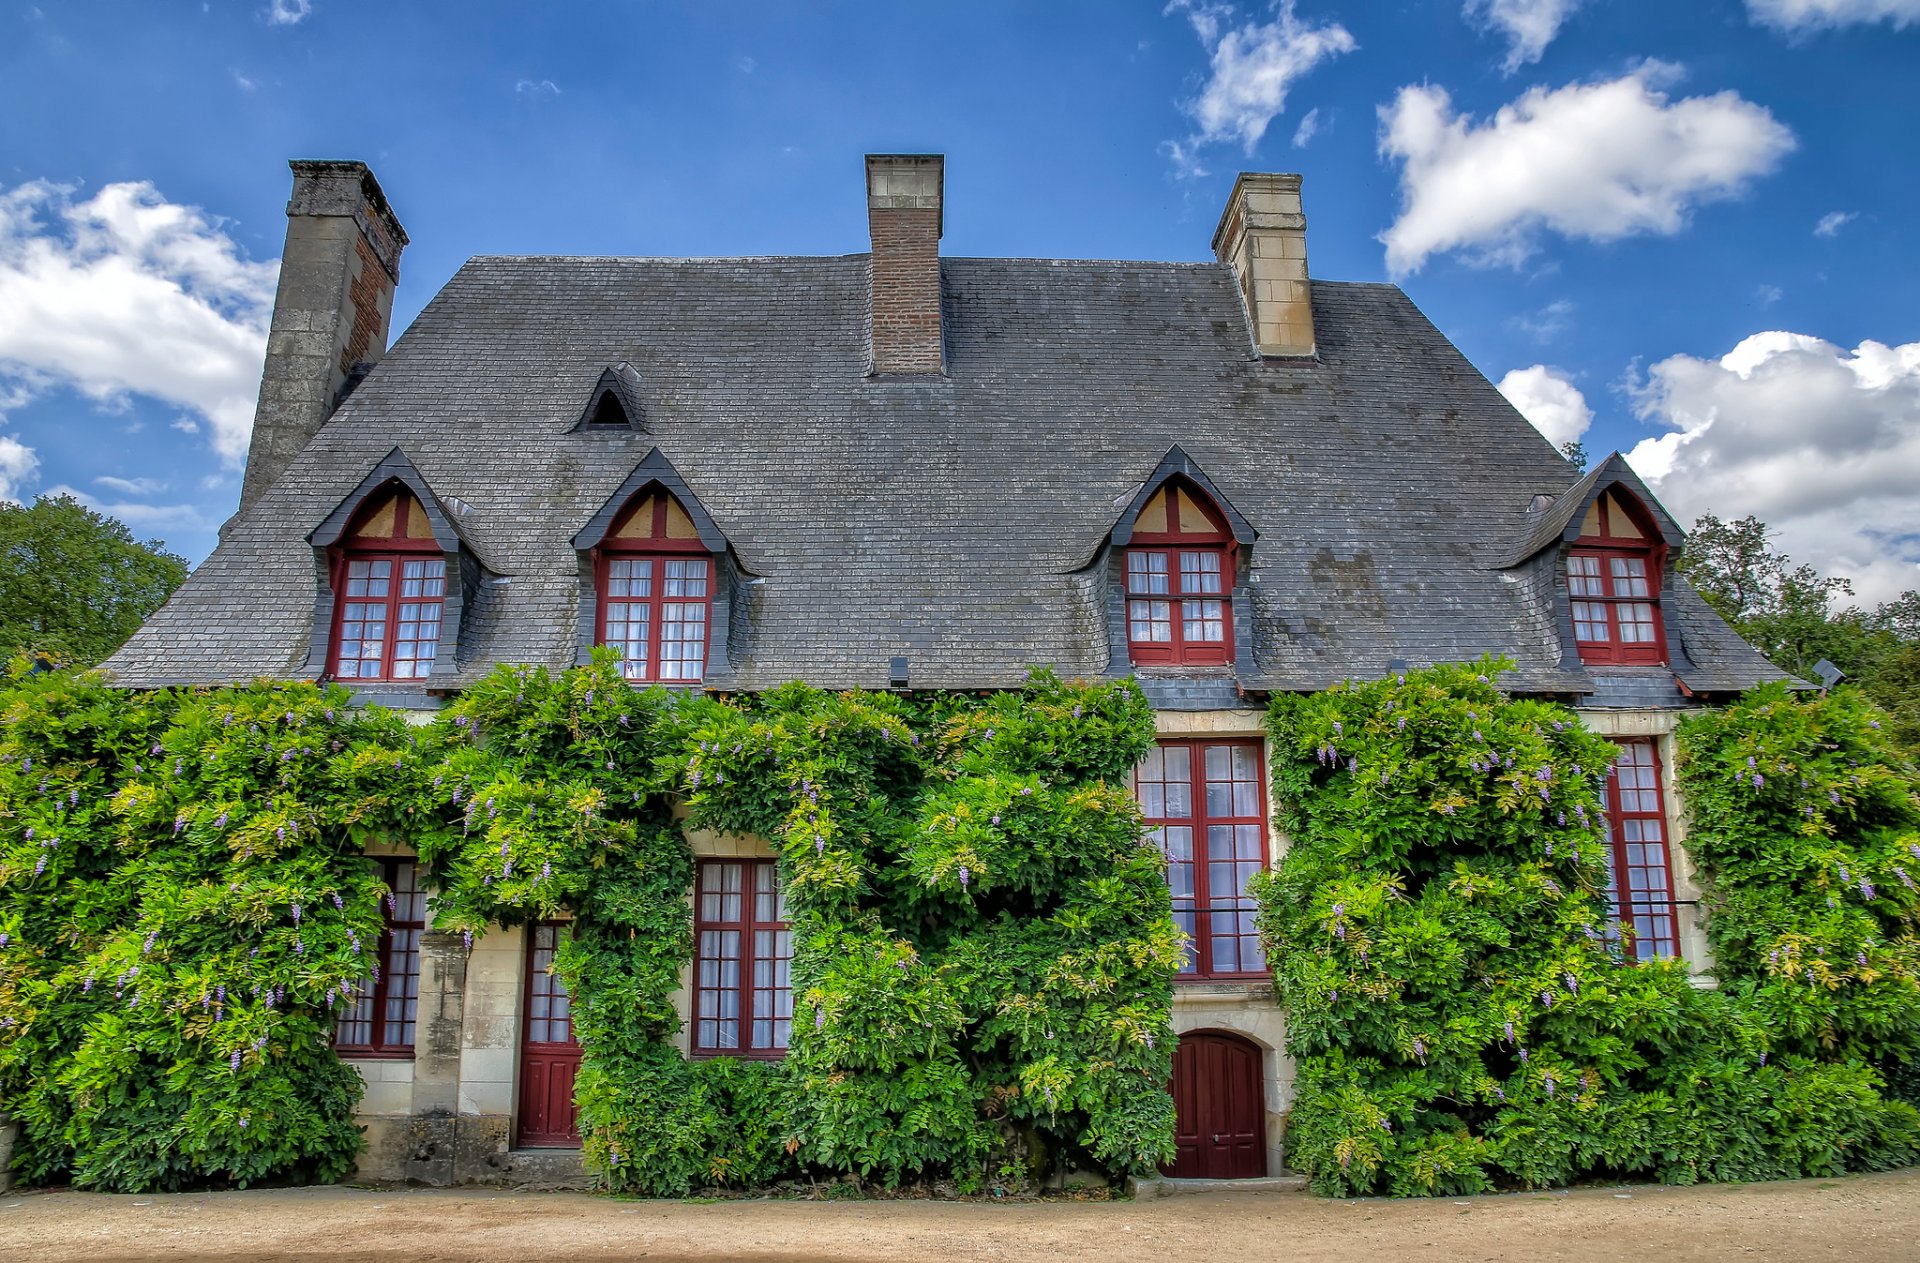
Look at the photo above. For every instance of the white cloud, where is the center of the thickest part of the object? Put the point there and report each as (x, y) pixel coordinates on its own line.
(1252, 65)
(243, 83)
(1549, 399)
(1821, 443)
(186, 425)
(1529, 25)
(130, 486)
(1768, 295)
(18, 463)
(536, 89)
(1598, 161)
(289, 12)
(1797, 16)
(1833, 221)
(746, 65)
(140, 517)
(127, 293)
(1309, 124)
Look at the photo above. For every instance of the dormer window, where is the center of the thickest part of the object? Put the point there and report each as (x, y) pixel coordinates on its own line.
(1613, 580)
(1179, 580)
(655, 579)
(389, 584)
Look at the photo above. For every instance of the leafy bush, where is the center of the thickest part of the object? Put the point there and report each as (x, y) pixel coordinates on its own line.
(1458, 1003)
(183, 903)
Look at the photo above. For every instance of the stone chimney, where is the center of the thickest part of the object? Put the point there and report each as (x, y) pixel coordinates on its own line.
(1263, 237)
(337, 276)
(904, 218)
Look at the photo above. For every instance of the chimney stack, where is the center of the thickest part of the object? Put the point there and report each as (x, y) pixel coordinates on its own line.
(1263, 237)
(330, 314)
(904, 218)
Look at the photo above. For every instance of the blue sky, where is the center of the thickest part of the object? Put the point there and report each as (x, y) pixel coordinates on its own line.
(1684, 230)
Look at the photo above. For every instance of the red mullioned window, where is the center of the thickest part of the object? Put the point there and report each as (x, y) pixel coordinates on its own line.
(1639, 859)
(1613, 578)
(1180, 570)
(655, 580)
(389, 587)
(1205, 806)
(381, 1020)
(742, 991)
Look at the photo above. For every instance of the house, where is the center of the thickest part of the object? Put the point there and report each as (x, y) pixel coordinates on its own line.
(898, 470)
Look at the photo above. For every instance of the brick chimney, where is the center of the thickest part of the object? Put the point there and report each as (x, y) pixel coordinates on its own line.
(337, 275)
(904, 218)
(1263, 237)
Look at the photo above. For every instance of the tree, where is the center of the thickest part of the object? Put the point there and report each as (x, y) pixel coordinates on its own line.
(1788, 613)
(74, 584)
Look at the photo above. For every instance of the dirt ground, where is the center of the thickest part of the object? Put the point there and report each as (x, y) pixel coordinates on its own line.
(1861, 1219)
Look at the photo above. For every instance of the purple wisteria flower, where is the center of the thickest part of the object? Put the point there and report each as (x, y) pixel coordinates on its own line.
(965, 876)
(1866, 889)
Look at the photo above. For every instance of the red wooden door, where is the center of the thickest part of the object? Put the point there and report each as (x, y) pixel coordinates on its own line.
(1220, 1117)
(549, 1058)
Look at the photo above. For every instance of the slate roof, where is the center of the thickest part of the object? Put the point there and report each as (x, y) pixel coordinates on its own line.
(955, 521)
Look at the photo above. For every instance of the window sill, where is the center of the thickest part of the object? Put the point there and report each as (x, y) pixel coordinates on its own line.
(714, 1054)
(374, 1054)
(1221, 990)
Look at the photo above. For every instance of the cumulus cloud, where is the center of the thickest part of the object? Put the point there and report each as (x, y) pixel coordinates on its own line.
(1821, 443)
(1597, 161)
(536, 89)
(1528, 25)
(18, 463)
(1548, 398)
(289, 12)
(1798, 16)
(1833, 221)
(1252, 66)
(126, 293)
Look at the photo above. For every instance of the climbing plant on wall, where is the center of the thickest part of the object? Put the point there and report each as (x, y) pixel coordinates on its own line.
(1459, 1005)
(982, 947)
(182, 907)
(1806, 829)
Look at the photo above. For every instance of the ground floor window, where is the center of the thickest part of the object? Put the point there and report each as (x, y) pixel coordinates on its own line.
(1205, 805)
(380, 1020)
(1639, 864)
(743, 995)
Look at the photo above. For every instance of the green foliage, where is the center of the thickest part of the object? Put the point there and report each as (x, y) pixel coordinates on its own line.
(183, 903)
(982, 947)
(1791, 614)
(1459, 1006)
(1806, 830)
(74, 584)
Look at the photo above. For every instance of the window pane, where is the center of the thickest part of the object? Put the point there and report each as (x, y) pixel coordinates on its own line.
(626, 630)
(1590, 622)
(1629, 576)
(686, 578)
(1583, 575)
(629, 577)
(1203, 620)
(1147, 573)
(683, 639)
(1150, 621)
(1199, 572)
(1636, 622)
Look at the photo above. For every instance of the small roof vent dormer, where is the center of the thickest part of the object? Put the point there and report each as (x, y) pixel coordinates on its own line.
(614, 405)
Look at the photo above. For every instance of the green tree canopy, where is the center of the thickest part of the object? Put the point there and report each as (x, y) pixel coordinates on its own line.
(1793, 614)
(74, 584)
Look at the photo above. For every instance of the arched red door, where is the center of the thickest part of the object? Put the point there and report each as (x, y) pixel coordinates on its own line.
(1220, 1114)
(549, 1057)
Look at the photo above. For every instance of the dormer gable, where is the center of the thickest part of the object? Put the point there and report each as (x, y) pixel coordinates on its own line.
(614, 405)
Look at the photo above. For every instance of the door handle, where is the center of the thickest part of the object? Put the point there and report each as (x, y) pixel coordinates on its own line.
(1216, 1137)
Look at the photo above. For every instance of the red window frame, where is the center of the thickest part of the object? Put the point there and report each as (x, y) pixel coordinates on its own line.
(657, 553)
(395, 979)
(1209, 921)
(397, 550)
(1609, 593)
(761, 986)
(1150, 554)
(1637, 822)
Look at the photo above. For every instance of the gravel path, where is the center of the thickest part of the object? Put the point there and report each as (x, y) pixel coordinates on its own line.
(1861, 1219)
